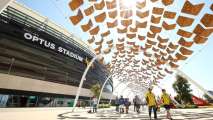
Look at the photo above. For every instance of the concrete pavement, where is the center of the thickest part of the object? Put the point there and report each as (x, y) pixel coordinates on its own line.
(107, 114)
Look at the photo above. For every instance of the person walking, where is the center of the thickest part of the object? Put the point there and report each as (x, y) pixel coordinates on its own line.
(116, 104)
(127, 104)
(151, 102)
(134, 103)
(166, 100)
(137, 103)
(94, 103)
(121, 104)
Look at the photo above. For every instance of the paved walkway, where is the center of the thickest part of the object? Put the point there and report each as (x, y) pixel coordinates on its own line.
(106, 114)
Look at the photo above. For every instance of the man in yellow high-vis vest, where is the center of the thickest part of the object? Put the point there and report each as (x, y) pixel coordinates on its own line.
(151, 102)
(166, 100)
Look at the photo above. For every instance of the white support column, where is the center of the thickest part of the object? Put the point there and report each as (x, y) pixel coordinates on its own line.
(194, 82)
(82, 81)
(102, 88)
(4, 4)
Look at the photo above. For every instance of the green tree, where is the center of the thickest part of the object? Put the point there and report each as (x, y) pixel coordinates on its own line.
(182, 87)
(96, 89)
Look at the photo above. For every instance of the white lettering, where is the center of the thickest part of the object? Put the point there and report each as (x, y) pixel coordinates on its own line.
(28, 36)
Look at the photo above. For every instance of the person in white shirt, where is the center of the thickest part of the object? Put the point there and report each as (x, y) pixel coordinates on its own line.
(94, 103)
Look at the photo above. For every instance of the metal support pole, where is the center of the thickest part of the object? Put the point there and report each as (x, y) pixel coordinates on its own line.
(82, 81)
(194, 83)
(102, 88)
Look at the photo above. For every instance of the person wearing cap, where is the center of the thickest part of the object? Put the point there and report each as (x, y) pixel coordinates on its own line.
(151, 102)
(166, 100)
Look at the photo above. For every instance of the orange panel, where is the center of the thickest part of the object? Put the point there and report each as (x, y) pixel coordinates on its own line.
(162, 40)
(169, 14)
(200, 40)
(184, 33)
(151, 35)
(155, 29)
(77, 18)
(112, 24)
(91, 40)
(184, 21)
(133, 29)
(155, 20)
(185, 43)
(124, 30)
(157, 11)
(172, 46)
(185, 51)
(141, 38)
(189, 8)
(161, 46)
(167, 26)
(207, 20)
(101, 17)
(173, 65)
(131, 36)
(141, 5)
(111, 5)
(105, 33)
(151, 42)
(89, 11)
(180, 56)
(112, 14)
(167, 2)
(141, 25)
(94, 31)
(74, 4)
(126, 23)
(142, 14)
(99, 6)
(87, 26)
(199, 30)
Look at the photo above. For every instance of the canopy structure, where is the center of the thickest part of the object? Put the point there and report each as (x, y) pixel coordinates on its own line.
(145, 39)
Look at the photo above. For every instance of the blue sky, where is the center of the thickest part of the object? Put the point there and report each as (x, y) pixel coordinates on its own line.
(199, 66)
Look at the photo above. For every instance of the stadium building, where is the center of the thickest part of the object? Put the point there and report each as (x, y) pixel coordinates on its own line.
(41, 63)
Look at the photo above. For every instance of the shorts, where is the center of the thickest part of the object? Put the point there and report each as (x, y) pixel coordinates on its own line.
(121, 106)
(167, 107)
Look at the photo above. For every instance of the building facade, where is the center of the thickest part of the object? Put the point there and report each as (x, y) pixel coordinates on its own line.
(41, 64)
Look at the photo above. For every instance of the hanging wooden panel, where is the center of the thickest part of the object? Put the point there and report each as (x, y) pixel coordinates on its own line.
(112, 24)
(184, 33)
(189, 8)
(141, 5)
(184, 21)
(120, 30)
(74, 4)
(112, 14)
(77, 18)
(155, 20)
(105, 34)
(162, 40)
(94, 31)
(199, 39)
(100, 6)
(199, 30)
(157, 10)
(87, 26)
(111, 5)
(169, 14)
(142, 14)
(127, 22)
(89, 10)
(185, 43)
(207, 20)
(141, 25)
(100, 18)
(185, 51)
(168, 26)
